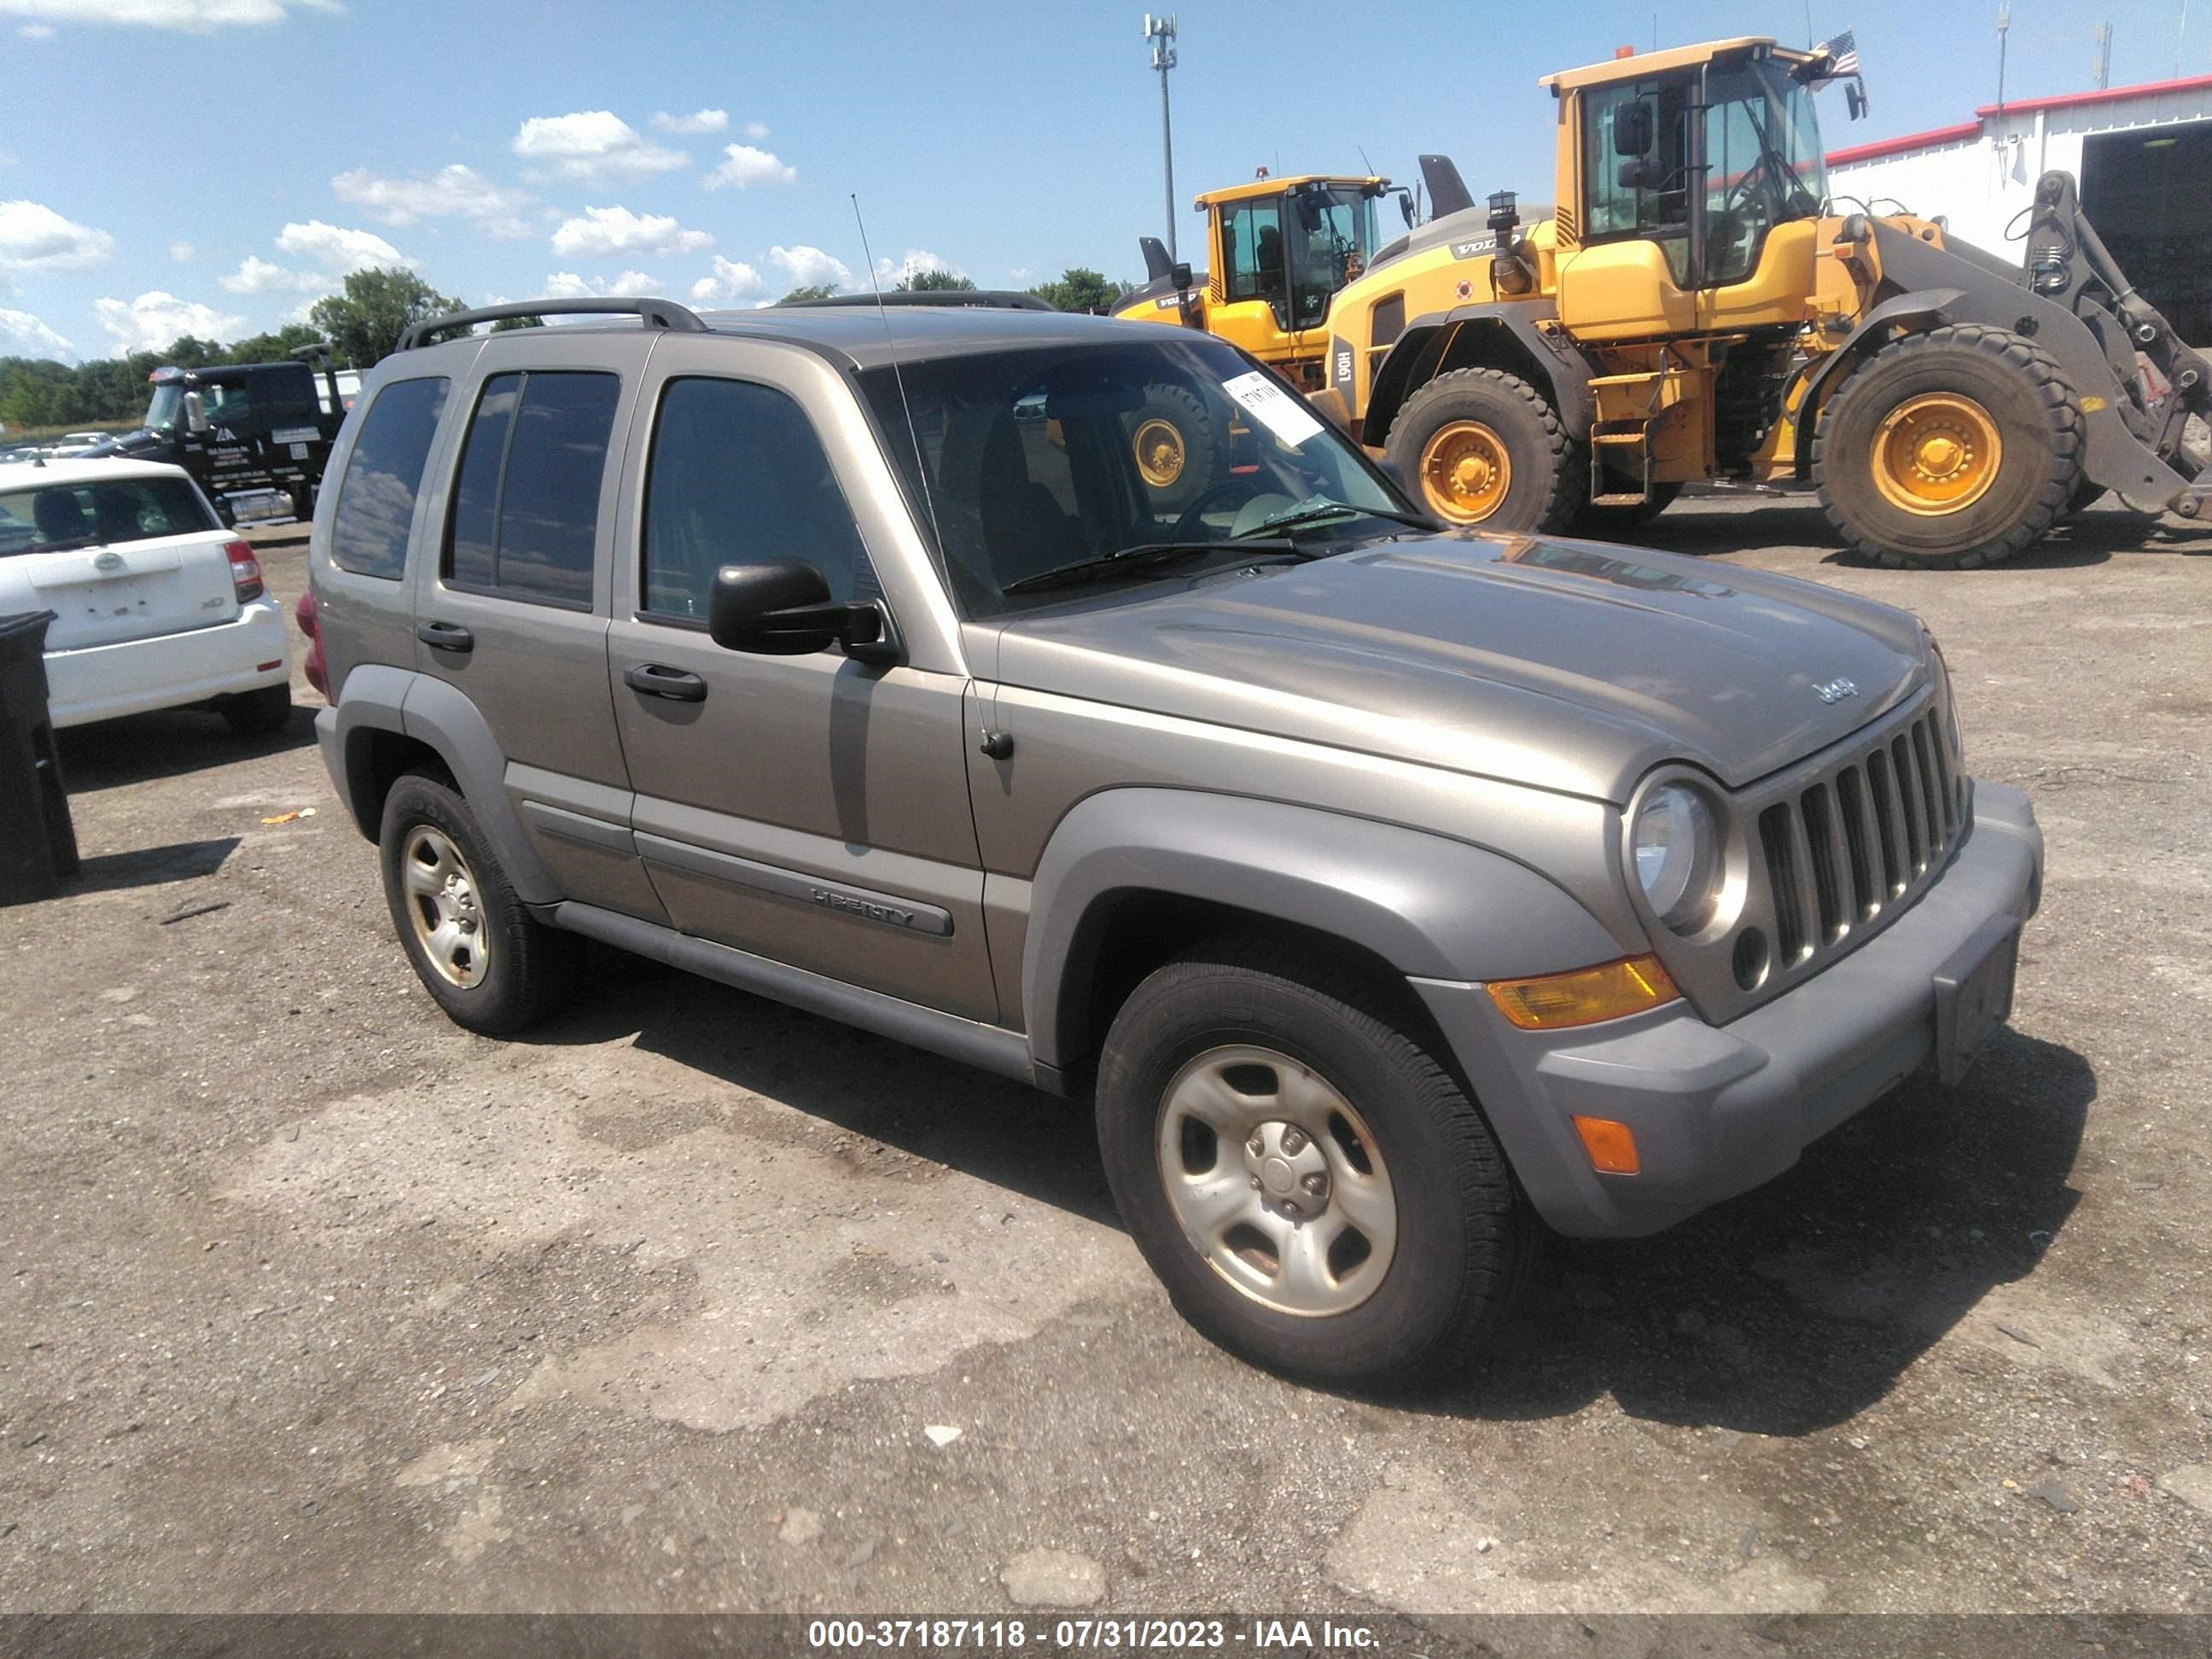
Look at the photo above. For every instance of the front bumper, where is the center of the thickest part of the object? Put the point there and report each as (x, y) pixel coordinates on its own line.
(1719, 1109)
(168, 671)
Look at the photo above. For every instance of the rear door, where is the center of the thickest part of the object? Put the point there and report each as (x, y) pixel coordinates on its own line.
(115, 559)
(513, 609)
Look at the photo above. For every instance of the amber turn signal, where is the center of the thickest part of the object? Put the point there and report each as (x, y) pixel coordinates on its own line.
(1611, 1146)
(1585, 995)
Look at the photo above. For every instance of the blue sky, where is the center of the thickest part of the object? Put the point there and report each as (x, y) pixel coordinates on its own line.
(212, 165)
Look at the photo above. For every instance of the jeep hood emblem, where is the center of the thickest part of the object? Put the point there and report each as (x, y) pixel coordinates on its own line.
(1834, 690)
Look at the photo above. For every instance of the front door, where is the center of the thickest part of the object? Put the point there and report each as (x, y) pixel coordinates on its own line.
(812, 810)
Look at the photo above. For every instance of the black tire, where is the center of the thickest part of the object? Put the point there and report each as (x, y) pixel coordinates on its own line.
(2086, 496)
(303, 504)
(532, 968)
(257, 714)
(1611, 523)
(1465, 1235)
(2039, 431)
(1548, 472)
(1179, 409)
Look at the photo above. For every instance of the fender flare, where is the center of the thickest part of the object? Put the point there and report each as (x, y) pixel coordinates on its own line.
(1930, 308)
(1564, 376)
(406, 703)
(1428, 906)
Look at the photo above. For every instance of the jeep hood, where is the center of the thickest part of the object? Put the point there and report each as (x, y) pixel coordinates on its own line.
(1567, 665)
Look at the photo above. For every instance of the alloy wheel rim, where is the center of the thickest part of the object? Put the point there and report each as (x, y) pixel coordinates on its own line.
(1277, 1181)
(1936, 454)
(1160, 453)
(444, 905)
(1466, 473)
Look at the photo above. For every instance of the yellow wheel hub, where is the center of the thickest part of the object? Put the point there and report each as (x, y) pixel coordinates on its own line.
(1160, 453)
(1937, 454)
(1466, 473)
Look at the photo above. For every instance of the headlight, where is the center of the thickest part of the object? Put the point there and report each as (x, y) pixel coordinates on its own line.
(1677, 844)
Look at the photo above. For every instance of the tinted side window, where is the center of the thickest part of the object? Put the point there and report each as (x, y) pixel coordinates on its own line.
(526, 506)
(738, 476)
(376, 499)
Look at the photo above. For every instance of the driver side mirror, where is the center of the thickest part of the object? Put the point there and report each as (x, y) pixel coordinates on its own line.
(1632, 130)
(782, 608)
(1179, 274)
(196, 418)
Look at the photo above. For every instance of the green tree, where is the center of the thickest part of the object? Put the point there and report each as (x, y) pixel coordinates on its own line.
(1080, 289)
(272, 348)
(190, 351)
(810, 291)
(363, 324)
(505, 323)
(935, 282)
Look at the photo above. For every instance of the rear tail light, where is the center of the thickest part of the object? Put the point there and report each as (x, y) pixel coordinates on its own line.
(311, 630)
(245, 572)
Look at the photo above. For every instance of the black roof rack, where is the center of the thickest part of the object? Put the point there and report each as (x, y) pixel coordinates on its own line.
(656, 313)
(997, 299)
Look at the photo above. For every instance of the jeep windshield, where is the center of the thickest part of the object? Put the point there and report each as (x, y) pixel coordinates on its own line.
(1044, 466)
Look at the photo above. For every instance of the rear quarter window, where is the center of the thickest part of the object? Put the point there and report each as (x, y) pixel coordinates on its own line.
(376, 499)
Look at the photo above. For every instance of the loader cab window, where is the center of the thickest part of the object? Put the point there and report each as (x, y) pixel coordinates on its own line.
(1252, 254)
(1633, 190)
(1764, 164)
(1331, 234)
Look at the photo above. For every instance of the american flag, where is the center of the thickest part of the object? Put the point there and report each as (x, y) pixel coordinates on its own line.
(1844, 51)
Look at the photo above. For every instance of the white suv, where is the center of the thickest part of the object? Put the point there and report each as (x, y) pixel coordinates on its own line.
(155, 605)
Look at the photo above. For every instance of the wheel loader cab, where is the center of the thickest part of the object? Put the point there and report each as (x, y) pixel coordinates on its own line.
(1281, 251)
(1681, 173)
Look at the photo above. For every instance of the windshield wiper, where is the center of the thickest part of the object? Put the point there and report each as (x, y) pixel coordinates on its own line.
(1144, 555)
(1314, 511)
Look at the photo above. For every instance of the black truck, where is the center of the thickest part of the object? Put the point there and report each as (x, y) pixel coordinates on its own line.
(254, 436)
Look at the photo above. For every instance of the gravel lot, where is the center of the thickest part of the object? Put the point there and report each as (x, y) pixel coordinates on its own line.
(313, 1302)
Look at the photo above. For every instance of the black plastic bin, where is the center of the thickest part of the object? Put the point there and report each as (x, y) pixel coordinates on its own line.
(38, 845)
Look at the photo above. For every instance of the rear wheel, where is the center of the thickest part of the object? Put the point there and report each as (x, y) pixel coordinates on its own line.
(491, 965)
(257, 714)
(1950, 450)
(1314, 1190)
(1172, 439)
(1485, 447)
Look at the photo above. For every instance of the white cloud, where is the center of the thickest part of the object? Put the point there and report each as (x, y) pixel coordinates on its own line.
(567, 285)
(196, 16)
(805, 266)
(732, 279)
(153, 320)
(1021, 273)
(259, 277)
(756, 129)
(609, 231)
(451, 193)
(35, 238)
(744, 166)
(335, 248)
(23, 335)
(36, 32)
(592, 147)
(180, 252)
(705, 120)
(916, 261)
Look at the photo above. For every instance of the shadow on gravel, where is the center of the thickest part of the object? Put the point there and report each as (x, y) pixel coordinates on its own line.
(151, 866)
(1796, 1306)
(1028, 1142)
(1786, 1311)
(2090, 538)
(166, 745)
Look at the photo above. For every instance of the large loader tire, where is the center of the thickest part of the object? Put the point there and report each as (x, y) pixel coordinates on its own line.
(1950, 450)
(1172, 438)
(1481, 447)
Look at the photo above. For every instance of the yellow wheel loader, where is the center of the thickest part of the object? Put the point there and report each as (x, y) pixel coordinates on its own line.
(1696, 307)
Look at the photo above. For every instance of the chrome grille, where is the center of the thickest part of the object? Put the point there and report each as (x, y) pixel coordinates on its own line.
(1848, 845)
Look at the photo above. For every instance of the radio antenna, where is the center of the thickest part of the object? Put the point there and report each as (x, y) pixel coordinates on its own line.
(890, 345)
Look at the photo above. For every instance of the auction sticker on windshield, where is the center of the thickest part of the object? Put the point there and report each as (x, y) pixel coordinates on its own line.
(1284, 416)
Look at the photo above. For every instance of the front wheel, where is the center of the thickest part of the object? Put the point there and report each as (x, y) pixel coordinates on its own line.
(1484, 448)
(1314, 1190)
(1949, 450)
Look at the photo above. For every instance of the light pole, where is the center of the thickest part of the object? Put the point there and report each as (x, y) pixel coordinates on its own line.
(1161, 32)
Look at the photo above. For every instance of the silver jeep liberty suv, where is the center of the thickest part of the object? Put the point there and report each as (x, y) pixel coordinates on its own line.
(1387, 889)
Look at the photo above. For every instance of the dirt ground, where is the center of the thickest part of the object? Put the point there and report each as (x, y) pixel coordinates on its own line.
(312, 1300)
